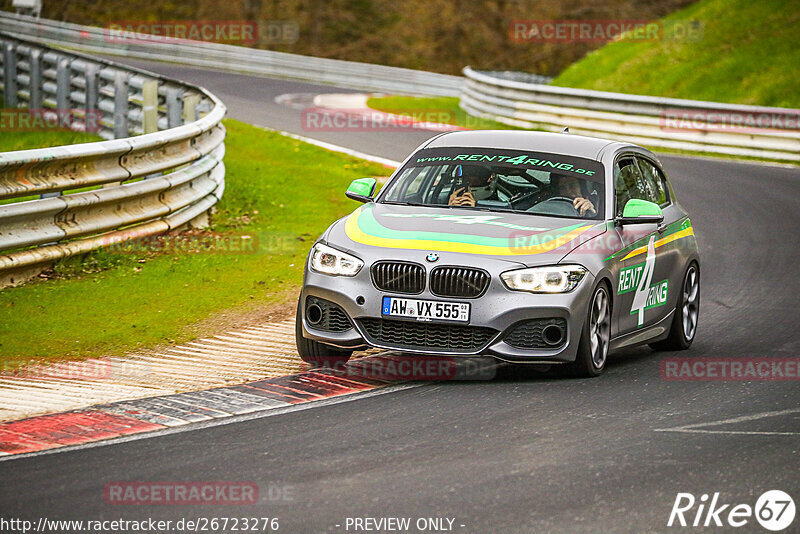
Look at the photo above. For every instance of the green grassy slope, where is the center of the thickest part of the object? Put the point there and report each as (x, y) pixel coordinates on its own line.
(749, 53)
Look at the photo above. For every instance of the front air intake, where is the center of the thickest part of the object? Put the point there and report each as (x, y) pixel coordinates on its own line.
(537, 334)
(418, 335)
(325, 315)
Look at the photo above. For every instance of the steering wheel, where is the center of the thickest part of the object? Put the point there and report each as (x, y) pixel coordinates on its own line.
(522, 198)
(562, 199)
(570, 201)
(557, 199)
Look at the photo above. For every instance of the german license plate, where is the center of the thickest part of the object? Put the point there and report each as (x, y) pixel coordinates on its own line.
(425, 310)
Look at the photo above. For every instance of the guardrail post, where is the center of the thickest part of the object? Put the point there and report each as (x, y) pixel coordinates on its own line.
(10, 75)
(190, 108)
(150, 107)
(63, 87)
(35, 59)
(91, 117)
(174, 108)
(62, 107)
(120, 104)
(150, 112)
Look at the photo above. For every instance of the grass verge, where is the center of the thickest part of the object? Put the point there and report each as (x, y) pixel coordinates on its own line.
(280, 192)
(11, 141)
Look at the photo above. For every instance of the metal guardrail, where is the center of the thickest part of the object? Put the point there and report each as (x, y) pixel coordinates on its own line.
(646, 120)
(362, 76)
(173, 172)
(94, 194)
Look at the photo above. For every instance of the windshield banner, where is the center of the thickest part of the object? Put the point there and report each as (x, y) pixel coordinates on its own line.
(498, 159)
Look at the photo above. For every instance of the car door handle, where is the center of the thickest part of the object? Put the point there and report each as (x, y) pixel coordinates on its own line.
(662, 227)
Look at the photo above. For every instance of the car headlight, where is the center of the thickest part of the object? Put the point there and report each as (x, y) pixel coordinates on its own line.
(552, 279)
(328, 260)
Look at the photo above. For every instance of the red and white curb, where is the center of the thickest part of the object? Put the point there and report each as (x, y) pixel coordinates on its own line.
(336, 112)
(352, 110)
(138, 416)
(250, 353)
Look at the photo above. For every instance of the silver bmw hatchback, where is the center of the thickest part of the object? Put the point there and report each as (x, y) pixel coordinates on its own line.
(529, 247)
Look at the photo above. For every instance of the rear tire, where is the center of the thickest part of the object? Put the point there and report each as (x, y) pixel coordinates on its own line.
(315, 353)
(595, 337)
(687, 313)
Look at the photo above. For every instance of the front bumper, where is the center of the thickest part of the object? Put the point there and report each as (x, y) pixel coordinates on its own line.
(498, 308)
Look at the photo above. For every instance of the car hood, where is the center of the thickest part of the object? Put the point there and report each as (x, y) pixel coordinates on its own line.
(507, 237)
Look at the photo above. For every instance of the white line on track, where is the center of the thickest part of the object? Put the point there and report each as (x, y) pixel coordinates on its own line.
(334, 148)
(698, 428)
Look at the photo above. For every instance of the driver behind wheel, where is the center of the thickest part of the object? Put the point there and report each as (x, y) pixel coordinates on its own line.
(570, 187)
(477, 183)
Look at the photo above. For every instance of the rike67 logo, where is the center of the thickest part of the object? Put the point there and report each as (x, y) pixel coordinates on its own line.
(774, 510)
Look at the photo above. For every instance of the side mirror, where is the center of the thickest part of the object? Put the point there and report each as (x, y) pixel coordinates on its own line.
(362, 189)
(637, 211)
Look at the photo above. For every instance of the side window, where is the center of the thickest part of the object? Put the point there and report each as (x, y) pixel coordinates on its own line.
(413, 187)
(410, 176)
(410, 185)
(655, 181)
(627, 183)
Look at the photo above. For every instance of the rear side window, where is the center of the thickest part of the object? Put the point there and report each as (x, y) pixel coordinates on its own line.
(654, 181)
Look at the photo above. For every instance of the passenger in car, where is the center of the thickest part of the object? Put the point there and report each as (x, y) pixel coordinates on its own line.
(478, 183)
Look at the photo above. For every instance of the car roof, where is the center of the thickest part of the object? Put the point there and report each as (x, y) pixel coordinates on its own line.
(554, 143)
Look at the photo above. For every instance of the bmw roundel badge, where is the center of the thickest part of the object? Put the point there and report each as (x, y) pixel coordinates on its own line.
(432, 257)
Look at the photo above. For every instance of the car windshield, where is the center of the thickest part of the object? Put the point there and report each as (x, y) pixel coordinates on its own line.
(500, 180)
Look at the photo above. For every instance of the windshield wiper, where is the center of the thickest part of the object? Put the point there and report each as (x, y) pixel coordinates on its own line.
(396, 203)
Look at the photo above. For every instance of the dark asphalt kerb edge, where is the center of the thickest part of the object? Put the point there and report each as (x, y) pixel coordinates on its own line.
(200, 425)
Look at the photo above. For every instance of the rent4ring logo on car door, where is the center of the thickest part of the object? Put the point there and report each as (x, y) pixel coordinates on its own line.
(638, 278)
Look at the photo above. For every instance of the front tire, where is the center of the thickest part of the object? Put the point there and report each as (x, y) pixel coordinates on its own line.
(595, 337)
(315, 353)
(687, 313)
